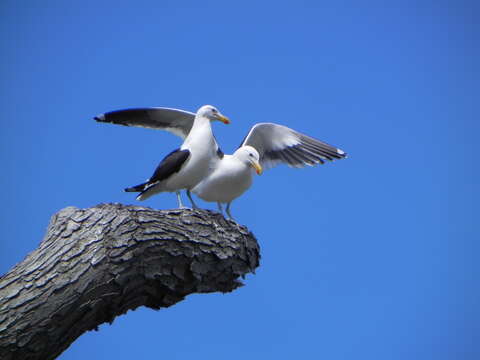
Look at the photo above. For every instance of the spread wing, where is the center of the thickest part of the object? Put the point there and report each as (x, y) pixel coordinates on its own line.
(279, 144)
(178, 122)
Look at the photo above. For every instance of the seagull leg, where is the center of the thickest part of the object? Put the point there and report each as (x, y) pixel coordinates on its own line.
(219, 204)
(228, 211)
(194, 206)
(179, 199)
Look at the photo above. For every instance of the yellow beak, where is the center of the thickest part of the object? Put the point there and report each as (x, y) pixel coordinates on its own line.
(257, 167)
(223, 119)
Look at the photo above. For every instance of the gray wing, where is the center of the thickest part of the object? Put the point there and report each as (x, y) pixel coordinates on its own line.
(280, 144)
(178, 122)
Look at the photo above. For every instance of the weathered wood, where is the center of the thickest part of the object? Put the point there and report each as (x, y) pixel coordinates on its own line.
(95, 264)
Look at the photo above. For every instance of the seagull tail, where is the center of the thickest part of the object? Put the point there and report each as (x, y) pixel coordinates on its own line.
(146, 190)
(136, 188)
(144, 195)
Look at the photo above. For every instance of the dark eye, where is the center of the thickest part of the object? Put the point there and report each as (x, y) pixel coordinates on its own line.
(251, 155)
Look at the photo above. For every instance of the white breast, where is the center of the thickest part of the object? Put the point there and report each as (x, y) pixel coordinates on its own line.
(202, 159)
(230, 179)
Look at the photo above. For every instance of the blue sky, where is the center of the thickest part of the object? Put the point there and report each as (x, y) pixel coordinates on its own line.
(373, 257)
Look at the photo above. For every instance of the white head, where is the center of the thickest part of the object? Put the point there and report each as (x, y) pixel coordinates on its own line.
(250, 156)
(211, 113)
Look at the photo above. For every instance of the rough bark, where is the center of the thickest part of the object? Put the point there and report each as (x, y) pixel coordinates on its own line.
(95, 264)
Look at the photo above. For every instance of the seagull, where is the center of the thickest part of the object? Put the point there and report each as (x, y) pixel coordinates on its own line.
(265, 146)
(184, 167)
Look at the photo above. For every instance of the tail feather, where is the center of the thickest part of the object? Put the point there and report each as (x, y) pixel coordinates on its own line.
(143, 195)
(146, 190)
(137, 188)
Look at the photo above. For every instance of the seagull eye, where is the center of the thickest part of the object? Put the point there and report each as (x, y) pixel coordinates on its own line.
(251, 155)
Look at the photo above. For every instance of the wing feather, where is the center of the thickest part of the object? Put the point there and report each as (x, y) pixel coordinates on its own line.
(178, 122)
(309, 158)
(279, 144)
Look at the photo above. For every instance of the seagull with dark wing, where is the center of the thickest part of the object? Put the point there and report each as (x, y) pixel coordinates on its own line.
(265, 146)
(185, 167)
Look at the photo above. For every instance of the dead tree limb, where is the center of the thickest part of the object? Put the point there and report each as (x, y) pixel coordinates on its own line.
(95, 264)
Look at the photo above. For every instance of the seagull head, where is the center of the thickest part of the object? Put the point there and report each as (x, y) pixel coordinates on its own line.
(211, 113)
(250, 156)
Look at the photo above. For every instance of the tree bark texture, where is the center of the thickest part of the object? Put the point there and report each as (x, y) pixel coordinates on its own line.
(95, 264)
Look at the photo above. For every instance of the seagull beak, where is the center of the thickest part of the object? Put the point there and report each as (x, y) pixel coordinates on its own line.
(257, 167)
(223, 119)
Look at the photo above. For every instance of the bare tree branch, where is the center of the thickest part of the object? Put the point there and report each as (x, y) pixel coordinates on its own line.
(95, 264)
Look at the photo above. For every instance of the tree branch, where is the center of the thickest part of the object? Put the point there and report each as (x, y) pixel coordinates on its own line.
(95, 264)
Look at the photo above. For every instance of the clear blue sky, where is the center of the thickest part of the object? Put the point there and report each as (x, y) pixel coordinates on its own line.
(373, 257)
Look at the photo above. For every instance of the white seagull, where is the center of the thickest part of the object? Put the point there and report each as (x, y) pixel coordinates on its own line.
(183, 168)
(265, 146)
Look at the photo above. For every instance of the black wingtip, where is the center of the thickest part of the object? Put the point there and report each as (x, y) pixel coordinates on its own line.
(99, 118)
(133, 189)
(137, 188)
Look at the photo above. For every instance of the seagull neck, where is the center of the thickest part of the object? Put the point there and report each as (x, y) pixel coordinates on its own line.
(200, 127)
(200, 123)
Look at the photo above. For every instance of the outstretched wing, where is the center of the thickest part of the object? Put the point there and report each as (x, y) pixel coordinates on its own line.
(178, 122)
(280, 144)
